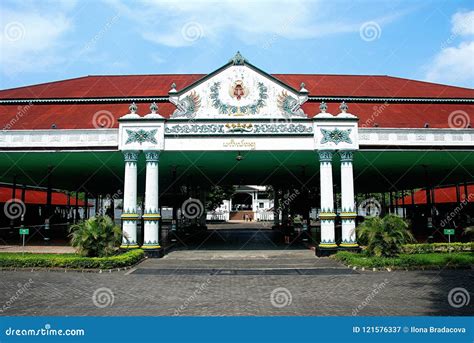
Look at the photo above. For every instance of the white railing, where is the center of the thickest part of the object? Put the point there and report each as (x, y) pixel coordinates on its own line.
(217, 216)
(264, 216)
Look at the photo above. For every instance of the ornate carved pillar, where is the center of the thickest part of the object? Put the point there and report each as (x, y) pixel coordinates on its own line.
(129, 212)
(348, 213)
(151, 216)
(327, 215)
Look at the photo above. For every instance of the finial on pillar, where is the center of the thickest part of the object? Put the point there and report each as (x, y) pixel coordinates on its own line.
(133, 108)
(323, 107)
(343, 107)
(302, 88)
(154, 108)
(154, 112)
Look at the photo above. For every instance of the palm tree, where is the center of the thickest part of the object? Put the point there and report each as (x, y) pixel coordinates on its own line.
(96, 236)
(384, 236)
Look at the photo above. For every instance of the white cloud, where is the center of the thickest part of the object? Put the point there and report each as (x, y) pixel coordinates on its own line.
(28, 39)
(455, 64)
(463, 23)
(31, 35)
(182, 23)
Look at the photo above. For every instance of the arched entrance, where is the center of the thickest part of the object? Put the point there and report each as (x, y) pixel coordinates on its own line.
(243, 205)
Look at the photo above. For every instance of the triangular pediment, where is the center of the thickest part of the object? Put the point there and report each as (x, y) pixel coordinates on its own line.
(238, 90)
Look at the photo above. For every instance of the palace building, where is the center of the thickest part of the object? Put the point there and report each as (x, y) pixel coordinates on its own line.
(326, 142)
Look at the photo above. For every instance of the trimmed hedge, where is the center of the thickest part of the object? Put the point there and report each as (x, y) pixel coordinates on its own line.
(410, 261)
(437, 247)
(70, 261)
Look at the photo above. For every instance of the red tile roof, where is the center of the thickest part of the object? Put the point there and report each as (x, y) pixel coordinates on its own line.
(78, 116)
(37, 197)
(159, 85)
(442, 195)
(70, 116)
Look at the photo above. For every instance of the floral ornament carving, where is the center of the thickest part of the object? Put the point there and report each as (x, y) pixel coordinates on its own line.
(141, 136)
(290, 105)
(229, 109)
(194, 129)
(238, 127)
(283, 128)
(186, 107)
(336, 136)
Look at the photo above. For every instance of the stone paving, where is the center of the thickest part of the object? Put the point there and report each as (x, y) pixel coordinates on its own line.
(133, 293)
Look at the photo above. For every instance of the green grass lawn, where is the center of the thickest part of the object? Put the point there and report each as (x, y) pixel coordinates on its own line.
(410, 261)
(71, 261)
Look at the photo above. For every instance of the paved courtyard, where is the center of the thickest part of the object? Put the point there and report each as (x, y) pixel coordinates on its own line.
(203, 279)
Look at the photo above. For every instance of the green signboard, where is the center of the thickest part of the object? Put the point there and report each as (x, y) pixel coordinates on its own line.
(24, 231)
(449, 231)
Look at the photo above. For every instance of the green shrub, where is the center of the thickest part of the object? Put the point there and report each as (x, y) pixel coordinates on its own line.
(413, 261)
(96, 237)
(72, 261)
(436, 247)
(385, 236)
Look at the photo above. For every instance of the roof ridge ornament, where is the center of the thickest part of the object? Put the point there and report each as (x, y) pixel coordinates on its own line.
(302, 88)
(154, 108)
(173, 88)
(323, 111)
(343, 107)
(323, 107)
(238, 59)
(154, 112)
(344, 111)
(133, 108)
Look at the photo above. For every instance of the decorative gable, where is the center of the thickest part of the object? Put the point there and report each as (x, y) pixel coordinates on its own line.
(238, 90)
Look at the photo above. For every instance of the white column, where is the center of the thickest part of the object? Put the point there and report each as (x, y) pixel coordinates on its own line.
(129, 212)
(348, 213)
(327, 214)
(151, 217)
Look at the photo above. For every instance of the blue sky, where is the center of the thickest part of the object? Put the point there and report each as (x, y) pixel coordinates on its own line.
(44, 41)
